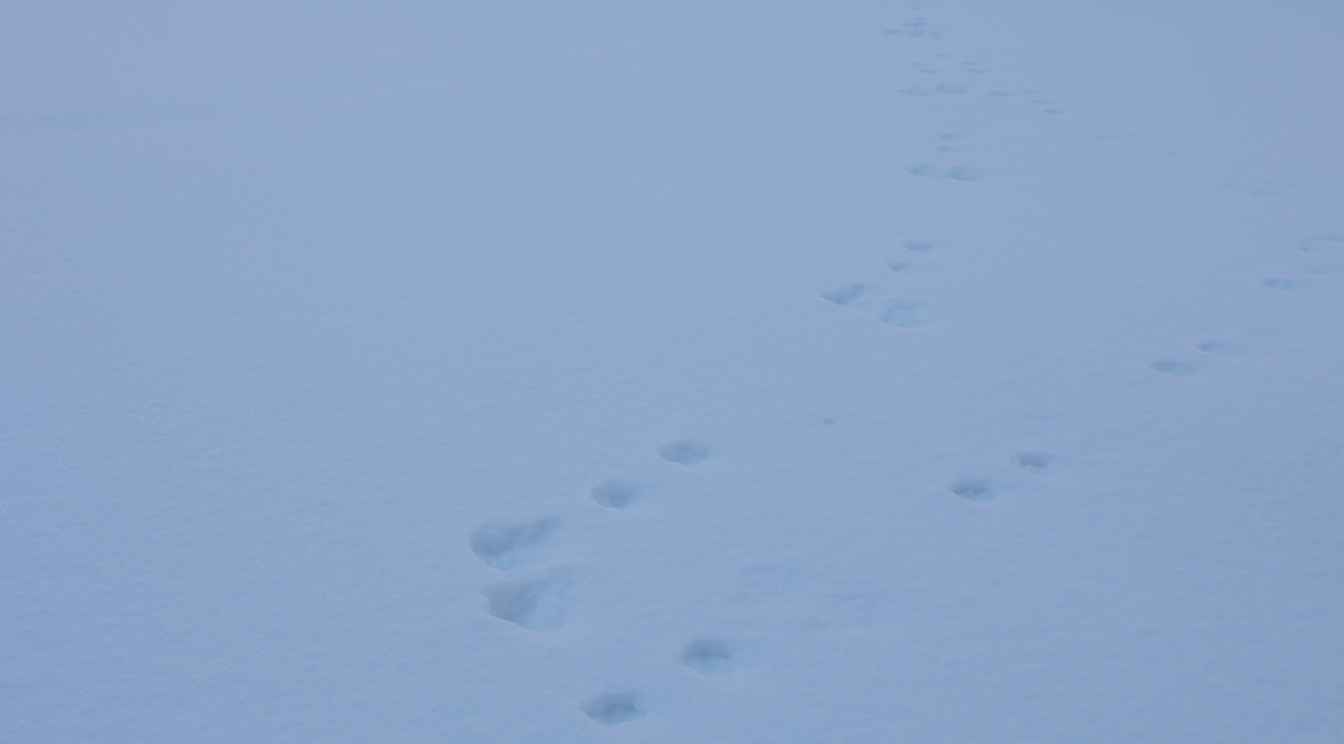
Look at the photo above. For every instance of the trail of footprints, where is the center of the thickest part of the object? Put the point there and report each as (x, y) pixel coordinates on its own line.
(892, 299)
(1317, 256)
(896, 308)
(939, 76)
(1320, 255)
(980, 487)
(542, 602)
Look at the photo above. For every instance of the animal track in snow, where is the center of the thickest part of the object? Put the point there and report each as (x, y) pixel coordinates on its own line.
(617, 494)
(903, 314)
(845, 294)
(1283, 283)
(941, 89)
(1218, 346)
(507, 544)
(973, 489)
(535, 604)
(961, 172)
(913, 28)
(685, 452)
(1177, 367)
(709, 656)
(611, 708)
(1034, 460)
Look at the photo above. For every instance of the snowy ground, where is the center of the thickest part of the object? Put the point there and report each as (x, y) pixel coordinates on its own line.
(948, 371)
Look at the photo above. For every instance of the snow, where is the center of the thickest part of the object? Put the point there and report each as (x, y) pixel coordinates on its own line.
(599, 371)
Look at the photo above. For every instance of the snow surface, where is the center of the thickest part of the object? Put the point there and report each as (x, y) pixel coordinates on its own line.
(605, 371)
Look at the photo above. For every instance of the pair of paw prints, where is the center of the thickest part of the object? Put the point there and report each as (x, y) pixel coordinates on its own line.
(1324, 256)
(1189, 364)
(536, 603)
(703, 656)
(962, 172)
(945, 88)
(898, 311)
(542, 602)
(623, 493)
(981, 488)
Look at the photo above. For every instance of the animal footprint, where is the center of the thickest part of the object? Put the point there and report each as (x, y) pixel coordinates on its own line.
(617, 494)
(1176, 367)
(709, 656)
(612, 708)
(960, 172)
(915, 248)
(1219, 347)
(1282, 283)
(534, 604)
(903, 314)
(505, 545)
(973, 489)
(1034, 460)
(924, 169)
(913, 28)
(686, 452)
(845, 294)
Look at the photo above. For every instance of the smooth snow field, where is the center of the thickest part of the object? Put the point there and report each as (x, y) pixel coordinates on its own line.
(727, 372)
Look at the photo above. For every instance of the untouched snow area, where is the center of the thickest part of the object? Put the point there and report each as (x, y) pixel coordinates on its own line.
(608, 371)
